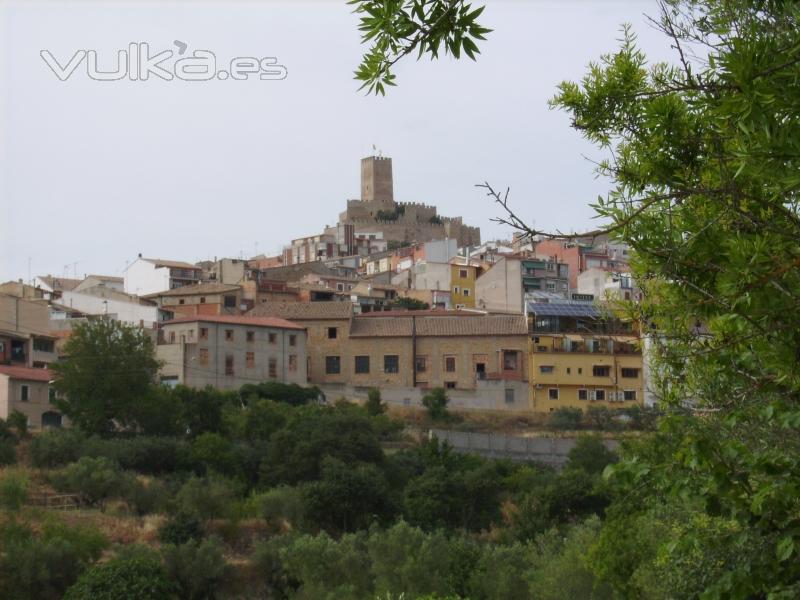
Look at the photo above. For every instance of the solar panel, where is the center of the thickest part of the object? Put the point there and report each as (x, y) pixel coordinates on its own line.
(563, 310)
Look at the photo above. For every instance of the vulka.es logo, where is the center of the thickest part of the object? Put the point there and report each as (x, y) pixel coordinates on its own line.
(138, 64)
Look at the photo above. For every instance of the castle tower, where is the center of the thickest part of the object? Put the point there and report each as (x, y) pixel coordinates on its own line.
(376, 180)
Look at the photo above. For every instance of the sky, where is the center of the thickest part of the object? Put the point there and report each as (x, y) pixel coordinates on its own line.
(92, 173)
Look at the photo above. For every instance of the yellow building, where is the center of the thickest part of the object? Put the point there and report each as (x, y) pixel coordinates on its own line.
(462, 284)
(580, 357)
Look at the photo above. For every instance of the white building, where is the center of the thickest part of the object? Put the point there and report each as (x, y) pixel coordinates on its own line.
(150, 275)
(608, 285)
(100, 300)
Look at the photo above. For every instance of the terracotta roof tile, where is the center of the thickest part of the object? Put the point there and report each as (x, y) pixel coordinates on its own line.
(237, 320)
(430, 326)
(26, 373)
(301, 311)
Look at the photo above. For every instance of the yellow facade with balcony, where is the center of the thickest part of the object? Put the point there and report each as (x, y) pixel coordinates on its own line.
(580, 358)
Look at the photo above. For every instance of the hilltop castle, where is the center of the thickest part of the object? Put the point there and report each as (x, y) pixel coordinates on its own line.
(399, 221)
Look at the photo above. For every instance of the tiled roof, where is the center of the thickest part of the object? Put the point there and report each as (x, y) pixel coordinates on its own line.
(196, 288)
(486, 325)
(26, 373)
(59, 284)
(433, 312)
(237, 320)
(106, 278)
(301, 311)
(172, 264)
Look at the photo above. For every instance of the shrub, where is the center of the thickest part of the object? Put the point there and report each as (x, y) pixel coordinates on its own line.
(600, 418)
(374, 405)
(19, 421)
(144, 454)
(56, 447)
(591, 455)
(42, 567)
(198, 568)
(94, 479)
(290, 393)
(13, 490)
(146, 497)
(282, 505)
(180, 528)
(141, 578)
(207, 497)
(565, 418)
(212, 452)
(436, 402)
(8, 451)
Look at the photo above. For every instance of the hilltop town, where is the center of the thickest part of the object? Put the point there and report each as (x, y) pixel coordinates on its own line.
(394, 297)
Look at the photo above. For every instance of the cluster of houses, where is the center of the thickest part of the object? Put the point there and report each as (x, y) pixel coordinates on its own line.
(392, 303)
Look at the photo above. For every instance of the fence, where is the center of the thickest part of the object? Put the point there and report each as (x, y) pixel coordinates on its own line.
(56, 501)
(549, 450)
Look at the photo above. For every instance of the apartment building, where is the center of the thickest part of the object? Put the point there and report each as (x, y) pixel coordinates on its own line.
(30, 392)
(581, 356)
(581, 255)
(200, 299)
(150, 275)
(480, 359)
(502, 288)
(25, 336)
(226, 351)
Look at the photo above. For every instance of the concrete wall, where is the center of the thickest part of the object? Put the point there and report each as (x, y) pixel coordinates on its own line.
(127, 312)
(142, 278)
(199, 373)
(500, 288)
(550, 450)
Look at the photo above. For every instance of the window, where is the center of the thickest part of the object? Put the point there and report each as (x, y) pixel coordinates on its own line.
(332, 365)
(541, 348)
(230, 301)
(601, 371)
(24, 393)
(465, 292)
(251, 336)
(450, 385)
(551, 286)
(272, 338)
(450, 364)
(569, 370)
(202, 299)
(462, 273)
(509, 396)
(628, 372)
(456, 289)
(332, 332)
(204, 333)
(293, 340)
(228, 364)
(391, 363)
(292, 363)
(41, 345)
(191, 334)
(181, 301)
(250, 360)
(629, 395)
(203, 357)
(229, 335)
(536, 339)
(552, 393)
(580, 370)
(51, 395)
(273, 368)
(583, 394)
(421, 364)
(600, 395)
(509, 360)
(362, 364)
(546, 369)
(171, 337)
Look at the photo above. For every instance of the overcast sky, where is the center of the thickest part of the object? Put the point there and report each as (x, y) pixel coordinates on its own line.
(92, 173)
